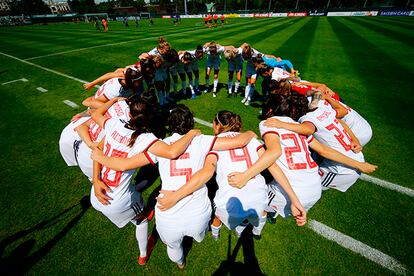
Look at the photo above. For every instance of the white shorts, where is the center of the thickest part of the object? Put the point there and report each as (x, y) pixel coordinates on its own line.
(341, 182)
(173, 232)
(251, 71)
(120, 213)
(363, 132)
(213, 62)
(235, 65)
(85, 162)
(233, 214)
(69, 147)
(160, 74)
(279, 202)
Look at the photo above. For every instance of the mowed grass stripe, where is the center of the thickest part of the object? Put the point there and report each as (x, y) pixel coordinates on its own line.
(154, 37)
(382, 94)
(297, 46)
(404, 28)
(393, 33)
(252, 35)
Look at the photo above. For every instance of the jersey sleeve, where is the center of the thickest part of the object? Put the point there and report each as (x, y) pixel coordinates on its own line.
(220, 49)
(207, 143)
(148, 141)
(266, 130)
(308, 118)
(109, 125)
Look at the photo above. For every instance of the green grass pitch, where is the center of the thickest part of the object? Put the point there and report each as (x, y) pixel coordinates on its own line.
(43, 229)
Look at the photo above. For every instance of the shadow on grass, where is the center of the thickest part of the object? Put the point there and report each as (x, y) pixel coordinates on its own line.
(250, 265)
(19, 261)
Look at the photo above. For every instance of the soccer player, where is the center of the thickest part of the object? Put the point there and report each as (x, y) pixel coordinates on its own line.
(196, 55)
(248, 53)
(213, 51)
(235, 63)
(295, 160)
(105, 24)
(190, 217)
(161, 73)
(222, 20)
(215, 17)
(112, 193)
(332, 132)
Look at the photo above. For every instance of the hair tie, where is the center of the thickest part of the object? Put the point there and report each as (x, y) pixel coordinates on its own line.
(218, 120)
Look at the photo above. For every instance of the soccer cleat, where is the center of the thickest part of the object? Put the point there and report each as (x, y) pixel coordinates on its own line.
(193, 97)
(205, 90)
(257, 237)
(230, 92)
(142, 260)
(214, 94)
(244, 100)
(271, 219)
(247, 103)
(181, 266)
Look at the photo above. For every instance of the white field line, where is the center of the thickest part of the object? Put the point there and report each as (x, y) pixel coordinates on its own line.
(123, 42)
(387, 185)
(358, 247)
(41, 89)
(71, 104)
(23, 80)
(327, 232)
(371, 179)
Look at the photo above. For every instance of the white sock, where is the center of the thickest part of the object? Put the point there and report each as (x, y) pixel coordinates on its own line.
(257, 230)
(192, 88)
(239, 229)
(176, 254)
(141, 233)
(236, 86)
(215, 86)
(215, 230)
(251, 90)
(247, 91)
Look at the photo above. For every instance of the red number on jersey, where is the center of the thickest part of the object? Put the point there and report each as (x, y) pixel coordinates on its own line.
(117, 178)
(244, 157)
(340, 134)
(95, 129)
(297, 148)
(183, 171)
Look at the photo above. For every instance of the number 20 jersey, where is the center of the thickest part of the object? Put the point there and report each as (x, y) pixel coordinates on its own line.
(295, 160)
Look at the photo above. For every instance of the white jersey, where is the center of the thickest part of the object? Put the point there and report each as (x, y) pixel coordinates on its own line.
(117, 138)
(112, 88)
(279, 74)
(177, 172)
(119, 110)
(238, 160)
(296, 161)
(359, 126)
(255, 53)
(70, 140)
(330, 132)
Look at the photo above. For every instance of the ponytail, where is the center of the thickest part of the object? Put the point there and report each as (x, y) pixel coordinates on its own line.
(228, 121)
